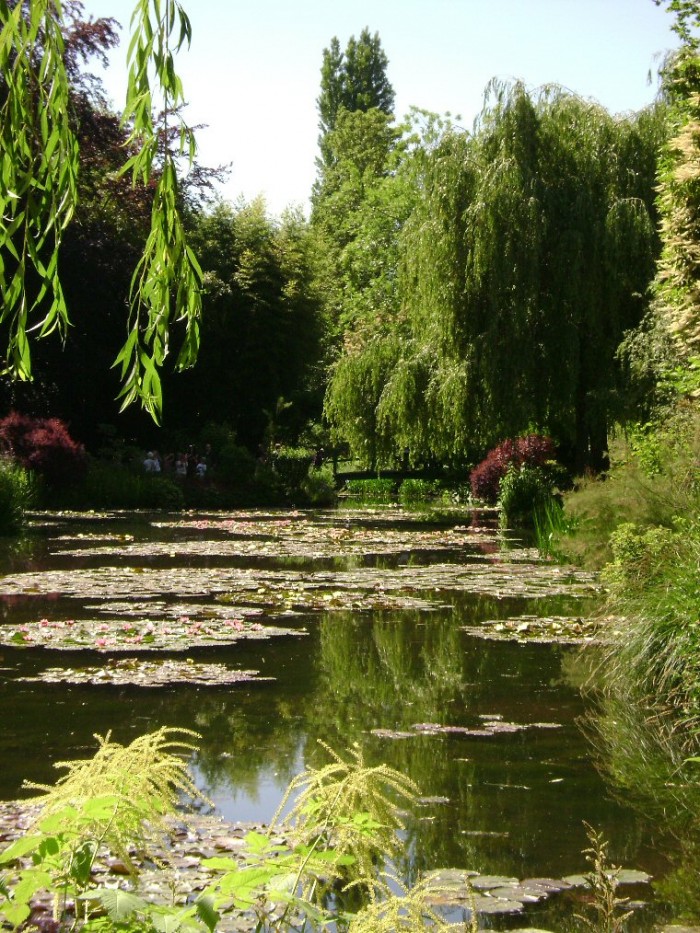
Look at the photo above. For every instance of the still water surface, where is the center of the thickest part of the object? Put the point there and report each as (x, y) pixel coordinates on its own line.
(510, 802)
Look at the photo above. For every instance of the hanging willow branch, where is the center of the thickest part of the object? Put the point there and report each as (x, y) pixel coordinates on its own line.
(38, 174)
(38, 189)
(166, 282)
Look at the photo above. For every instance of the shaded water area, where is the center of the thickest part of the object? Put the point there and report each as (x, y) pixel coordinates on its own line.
(447, 649)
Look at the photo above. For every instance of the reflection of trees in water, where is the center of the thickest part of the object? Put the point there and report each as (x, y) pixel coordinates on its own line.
(238, 743)
(390, 672)
(644, 756)
(394, 670)
(646, 759)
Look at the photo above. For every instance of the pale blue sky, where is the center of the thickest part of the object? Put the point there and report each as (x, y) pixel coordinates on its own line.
(253, 71)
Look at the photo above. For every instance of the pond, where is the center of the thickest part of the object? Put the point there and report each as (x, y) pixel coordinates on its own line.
(446, 648)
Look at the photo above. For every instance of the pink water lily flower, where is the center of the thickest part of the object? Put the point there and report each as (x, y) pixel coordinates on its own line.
(100, 642)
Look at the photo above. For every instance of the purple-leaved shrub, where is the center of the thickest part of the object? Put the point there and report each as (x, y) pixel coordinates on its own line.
(533, 450)
(44, 446)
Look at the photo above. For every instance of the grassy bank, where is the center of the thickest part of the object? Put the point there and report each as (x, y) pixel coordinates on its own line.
(641, 524)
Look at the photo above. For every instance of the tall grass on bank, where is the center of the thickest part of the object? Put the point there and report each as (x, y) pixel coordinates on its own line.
(18, 492)
(551, 524)
(654, 660)
(644, 519)
(654, 478)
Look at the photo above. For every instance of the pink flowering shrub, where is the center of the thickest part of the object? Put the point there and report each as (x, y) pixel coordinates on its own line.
(44, 446)
(534, 450)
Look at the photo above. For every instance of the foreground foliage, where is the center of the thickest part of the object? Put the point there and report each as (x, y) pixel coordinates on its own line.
(335, 839)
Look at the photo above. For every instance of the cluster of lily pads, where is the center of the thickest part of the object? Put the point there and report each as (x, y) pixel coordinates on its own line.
(143, 673)
(119, 635)
(565, 630)
(492, 725)
(154, 608)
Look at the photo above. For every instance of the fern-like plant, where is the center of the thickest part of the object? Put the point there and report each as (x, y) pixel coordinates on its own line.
(144, 781)
(110, 803)
(406, 910)
(350, 808)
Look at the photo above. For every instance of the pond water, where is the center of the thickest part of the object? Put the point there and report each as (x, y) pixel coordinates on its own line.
(363, 627)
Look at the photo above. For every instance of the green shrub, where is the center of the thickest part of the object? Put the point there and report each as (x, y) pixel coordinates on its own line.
(234, 464)
(379, 491)
(18, 492)
(524, 489)
(418, 490)
(319, 487)
(112, 486)
(291, 465)
(638, 555)
(159, 492)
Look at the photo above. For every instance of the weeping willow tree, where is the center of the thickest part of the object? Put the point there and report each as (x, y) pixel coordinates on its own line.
(527, 257)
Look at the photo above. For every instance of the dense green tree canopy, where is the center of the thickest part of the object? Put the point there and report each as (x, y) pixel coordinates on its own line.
(260, 339)
(526, 258)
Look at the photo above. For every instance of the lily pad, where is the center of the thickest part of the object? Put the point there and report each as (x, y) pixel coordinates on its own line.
(118, 635)
(567, 630)
(489, 882)
(142, 673)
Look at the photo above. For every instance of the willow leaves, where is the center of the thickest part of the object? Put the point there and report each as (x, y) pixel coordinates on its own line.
(167, 279)
(39, 161)
(38, 174)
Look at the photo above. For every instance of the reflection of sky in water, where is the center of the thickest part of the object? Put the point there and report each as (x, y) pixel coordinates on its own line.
(257, 805)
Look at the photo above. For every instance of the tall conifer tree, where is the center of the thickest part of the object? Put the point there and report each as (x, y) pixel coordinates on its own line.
(352, 80)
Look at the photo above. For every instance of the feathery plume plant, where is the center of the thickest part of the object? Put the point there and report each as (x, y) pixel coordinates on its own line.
(137, 784)
(406, 910)
(111, 802)
(411, 909)
(348, 807)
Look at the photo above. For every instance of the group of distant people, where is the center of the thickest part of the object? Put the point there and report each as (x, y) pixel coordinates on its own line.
(183, 465)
